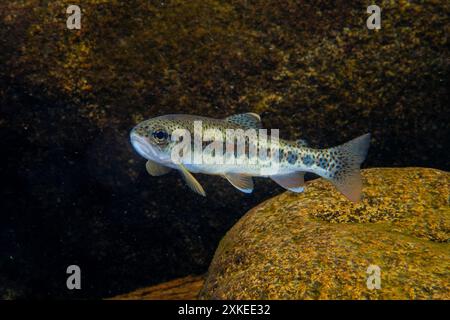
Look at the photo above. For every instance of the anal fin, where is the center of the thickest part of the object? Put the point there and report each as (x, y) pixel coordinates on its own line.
(292, 181)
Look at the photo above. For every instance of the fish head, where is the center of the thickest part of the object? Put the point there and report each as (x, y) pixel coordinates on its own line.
(151, 139)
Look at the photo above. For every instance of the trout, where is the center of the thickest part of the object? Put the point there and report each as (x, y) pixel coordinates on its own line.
(166, 142)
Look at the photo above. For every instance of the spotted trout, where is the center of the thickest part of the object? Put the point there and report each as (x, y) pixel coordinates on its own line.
(179, 142)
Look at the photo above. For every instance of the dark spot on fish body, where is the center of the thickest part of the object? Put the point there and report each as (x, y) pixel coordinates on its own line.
(280, 154)
(322, 162)
(292, 157)
(332, 165)
(308, 160)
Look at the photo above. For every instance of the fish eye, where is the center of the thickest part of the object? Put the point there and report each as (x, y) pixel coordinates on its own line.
(160, 135)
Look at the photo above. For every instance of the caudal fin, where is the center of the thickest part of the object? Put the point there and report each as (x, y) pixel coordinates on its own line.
(346, 176)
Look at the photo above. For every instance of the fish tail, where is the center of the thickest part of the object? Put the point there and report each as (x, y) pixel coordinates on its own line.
(343, 167)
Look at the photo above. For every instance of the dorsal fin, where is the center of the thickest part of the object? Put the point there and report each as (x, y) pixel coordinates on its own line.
(247, 120)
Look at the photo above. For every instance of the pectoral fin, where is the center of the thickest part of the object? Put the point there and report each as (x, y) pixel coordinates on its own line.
(292, 181)
(191, 181)
(155, 169)
(240, 181)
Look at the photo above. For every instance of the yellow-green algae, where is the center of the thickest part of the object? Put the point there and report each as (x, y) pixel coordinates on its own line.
(306, 64)
(318, 245)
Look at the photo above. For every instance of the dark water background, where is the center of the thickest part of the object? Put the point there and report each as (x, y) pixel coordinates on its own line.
(74, 192)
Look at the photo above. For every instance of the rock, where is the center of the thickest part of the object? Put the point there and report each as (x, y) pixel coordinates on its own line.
(317, 245)
(186, 288)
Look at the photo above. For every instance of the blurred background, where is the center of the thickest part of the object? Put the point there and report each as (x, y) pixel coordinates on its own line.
(74, 192)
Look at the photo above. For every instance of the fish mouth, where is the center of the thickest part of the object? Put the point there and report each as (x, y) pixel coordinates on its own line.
(141, 145)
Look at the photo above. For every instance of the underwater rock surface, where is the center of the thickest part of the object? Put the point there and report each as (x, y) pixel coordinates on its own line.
(186, 288)
(317, 245)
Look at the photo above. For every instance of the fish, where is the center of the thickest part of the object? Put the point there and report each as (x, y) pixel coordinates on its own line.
(156, 140)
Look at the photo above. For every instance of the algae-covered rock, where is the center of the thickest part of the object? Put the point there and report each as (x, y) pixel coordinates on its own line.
(186, 288)
(317, 245)
(304, 65)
